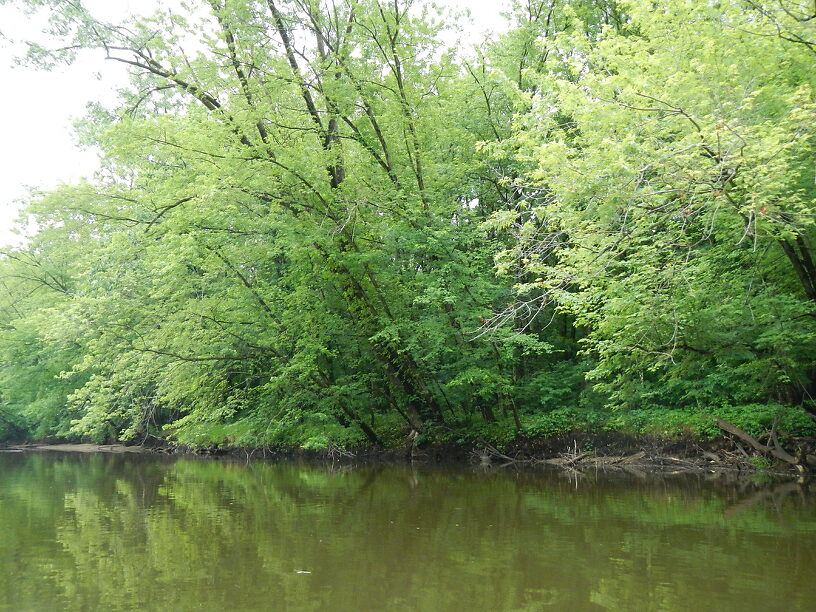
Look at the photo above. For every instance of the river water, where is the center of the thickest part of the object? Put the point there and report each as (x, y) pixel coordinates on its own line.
(110, 532)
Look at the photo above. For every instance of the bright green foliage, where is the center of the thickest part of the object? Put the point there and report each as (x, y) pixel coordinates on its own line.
(294, 235)
(286, 241)
(669, 202)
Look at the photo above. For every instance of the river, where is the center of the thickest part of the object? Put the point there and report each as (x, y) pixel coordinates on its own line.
(134, 532)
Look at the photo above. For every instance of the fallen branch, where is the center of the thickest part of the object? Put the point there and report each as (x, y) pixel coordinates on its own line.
(570, 459)
(774, 451)
(633, 458)
(490, 451)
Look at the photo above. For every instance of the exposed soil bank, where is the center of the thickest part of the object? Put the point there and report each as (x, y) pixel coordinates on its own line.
(575, 451)
(616, 451)
(76, 448)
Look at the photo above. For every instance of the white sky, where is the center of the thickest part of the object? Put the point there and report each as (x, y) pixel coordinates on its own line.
(37, 108)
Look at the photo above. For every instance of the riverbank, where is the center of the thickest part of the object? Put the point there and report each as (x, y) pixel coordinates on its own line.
(76, 448)
(573, 451)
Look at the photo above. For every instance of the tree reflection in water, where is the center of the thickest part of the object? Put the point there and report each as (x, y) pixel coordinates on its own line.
(125, 533)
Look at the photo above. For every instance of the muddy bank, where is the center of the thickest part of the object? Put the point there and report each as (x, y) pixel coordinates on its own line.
(76, 448)
(614, 450)
(574, 451)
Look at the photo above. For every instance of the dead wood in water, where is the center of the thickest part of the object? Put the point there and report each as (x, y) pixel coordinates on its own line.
(774, 451)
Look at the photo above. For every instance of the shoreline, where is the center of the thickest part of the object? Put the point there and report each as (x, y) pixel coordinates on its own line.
(576, 452)
(70, 447)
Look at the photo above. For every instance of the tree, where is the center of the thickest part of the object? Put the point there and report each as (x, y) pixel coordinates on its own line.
(293, 236)
(669, 201)
(287, 229)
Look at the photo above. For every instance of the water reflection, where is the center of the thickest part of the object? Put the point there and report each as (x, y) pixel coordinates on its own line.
(107, 532)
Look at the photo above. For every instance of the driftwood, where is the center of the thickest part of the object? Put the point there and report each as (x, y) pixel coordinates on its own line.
(774, 451)
(568, 459)
(609, 460)
(489, 452)
(573, 458)
(633, 458)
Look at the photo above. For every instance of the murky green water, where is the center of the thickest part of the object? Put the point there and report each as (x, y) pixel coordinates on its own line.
(102, 532)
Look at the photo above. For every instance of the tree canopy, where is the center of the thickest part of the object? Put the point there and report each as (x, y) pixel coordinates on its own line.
(316, 224)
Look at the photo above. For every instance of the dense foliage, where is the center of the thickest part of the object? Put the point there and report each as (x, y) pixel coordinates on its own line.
(316, 224)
